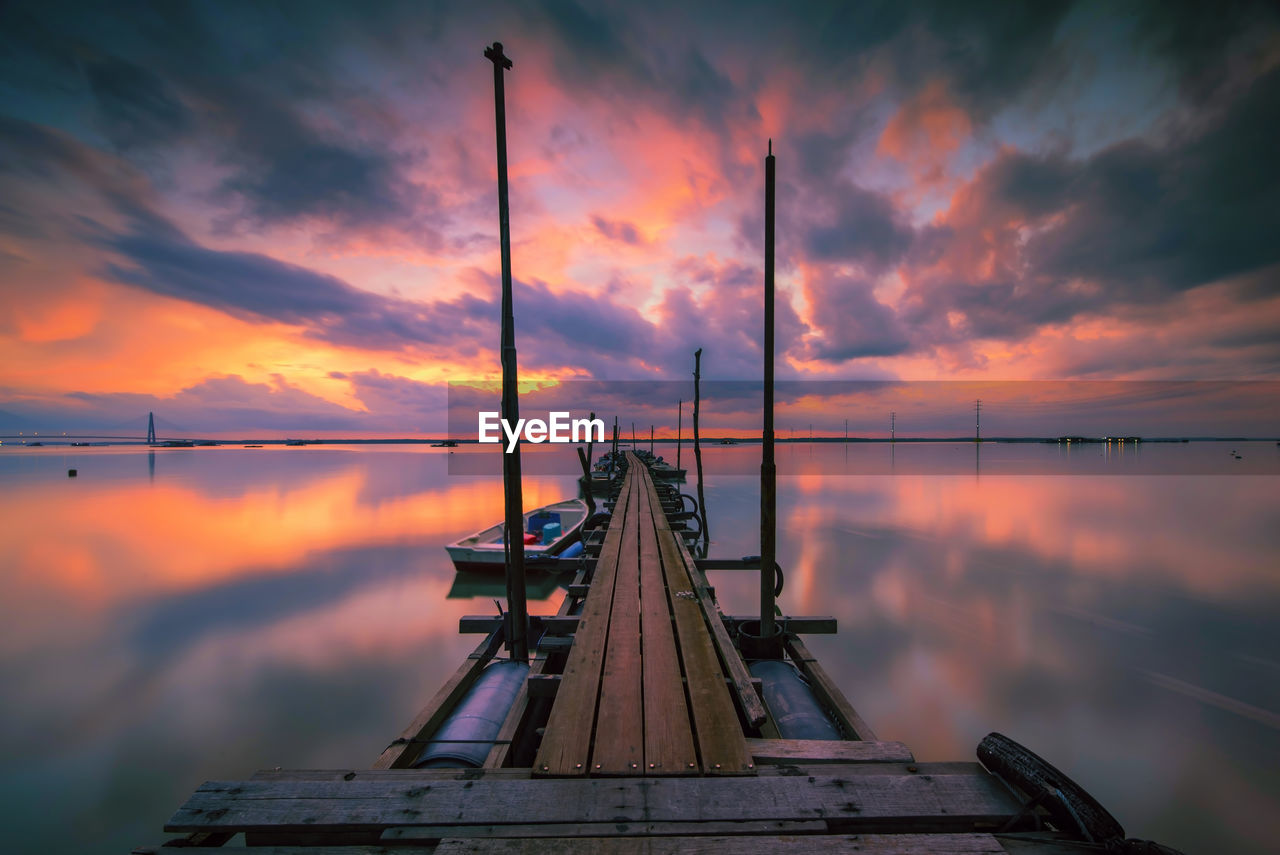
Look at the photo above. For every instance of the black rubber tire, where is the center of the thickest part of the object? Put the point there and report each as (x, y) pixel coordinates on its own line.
(1071, 808)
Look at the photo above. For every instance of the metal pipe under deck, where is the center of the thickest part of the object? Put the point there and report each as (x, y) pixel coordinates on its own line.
(768, 468)
(517, 609)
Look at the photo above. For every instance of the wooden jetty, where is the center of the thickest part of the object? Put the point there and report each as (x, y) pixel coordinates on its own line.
(641, 719)
(638, 729)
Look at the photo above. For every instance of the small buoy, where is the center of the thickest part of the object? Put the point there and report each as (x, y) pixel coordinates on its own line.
(71, 473)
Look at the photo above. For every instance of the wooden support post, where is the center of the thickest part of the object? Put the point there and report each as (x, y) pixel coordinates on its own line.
(517, 608)
(768, 468)
(679, 430)
(697, 445)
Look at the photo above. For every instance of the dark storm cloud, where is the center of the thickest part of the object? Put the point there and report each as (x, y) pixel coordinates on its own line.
(986, 51)
(1197, 39)
(854, 323)
(1137, 223)
(1174, 217)
(158, 257)
(232, 78)
(285, 171)
(862, 227)
(135, 106)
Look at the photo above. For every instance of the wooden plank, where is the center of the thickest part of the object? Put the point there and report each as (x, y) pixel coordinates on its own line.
(618, 746)
(565, 748)
(409, 777)
(404, 750)
(959, 799)
(839, 844)
(827, 692)
(752, 705)
(299, 850)
(827, 751)
(782, 843)
(668, 737)
(721, 746)
(1044, 843)
(603, 829)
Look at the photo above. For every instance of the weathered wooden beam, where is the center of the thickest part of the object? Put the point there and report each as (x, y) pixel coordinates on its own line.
(961, 797)
(618, 745)
(370, 849)
(562, 624)
(602, 829)
(404, 750)
(827, 751)
(774, 844)
(668, 736)
(548, 624)
(827, 692)
(565, 748)
(752, 706)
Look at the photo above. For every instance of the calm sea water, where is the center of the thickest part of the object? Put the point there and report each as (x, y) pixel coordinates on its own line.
(191, 614)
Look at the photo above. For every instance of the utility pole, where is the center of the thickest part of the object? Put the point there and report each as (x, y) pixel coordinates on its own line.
(517, 607)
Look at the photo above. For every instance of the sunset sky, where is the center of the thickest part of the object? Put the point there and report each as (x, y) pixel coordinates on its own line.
(283, 217)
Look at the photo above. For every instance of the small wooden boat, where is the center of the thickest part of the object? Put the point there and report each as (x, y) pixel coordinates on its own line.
(548, 531)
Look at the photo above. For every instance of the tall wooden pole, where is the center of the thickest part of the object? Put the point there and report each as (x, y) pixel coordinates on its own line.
(697, 442)
(679, 430)
(517, 608)
(768, 468)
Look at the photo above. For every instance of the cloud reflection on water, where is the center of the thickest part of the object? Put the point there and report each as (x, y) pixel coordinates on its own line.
(295, 607)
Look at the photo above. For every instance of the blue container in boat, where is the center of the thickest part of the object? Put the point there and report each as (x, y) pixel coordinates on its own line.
(550, 533)
(540, 519)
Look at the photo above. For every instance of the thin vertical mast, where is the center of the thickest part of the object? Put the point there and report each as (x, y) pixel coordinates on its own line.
(518, 612)
(768, 468)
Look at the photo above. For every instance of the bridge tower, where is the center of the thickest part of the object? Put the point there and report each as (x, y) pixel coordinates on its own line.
(151, 428)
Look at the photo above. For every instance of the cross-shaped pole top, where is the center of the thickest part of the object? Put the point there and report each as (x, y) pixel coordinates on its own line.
(495, 54)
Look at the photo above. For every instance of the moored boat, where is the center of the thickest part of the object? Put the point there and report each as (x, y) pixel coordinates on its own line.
(548, 532)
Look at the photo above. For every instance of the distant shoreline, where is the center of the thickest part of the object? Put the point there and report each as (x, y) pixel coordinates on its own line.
(19, 441)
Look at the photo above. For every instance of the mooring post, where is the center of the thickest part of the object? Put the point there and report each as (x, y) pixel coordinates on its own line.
(768, 468)
(585, 458)
(679, 429)
(613, 459)
(517, 629)
(697, 443)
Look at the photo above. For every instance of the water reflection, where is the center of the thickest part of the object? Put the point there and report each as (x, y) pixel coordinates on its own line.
(233, 609)
(1123, 626)
(228, 610)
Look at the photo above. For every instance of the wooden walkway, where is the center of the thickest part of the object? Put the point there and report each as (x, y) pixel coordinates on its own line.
(622, 706)
(656, 741)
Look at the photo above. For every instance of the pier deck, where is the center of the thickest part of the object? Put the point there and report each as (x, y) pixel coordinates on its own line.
(622, 707)
(655, 741)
